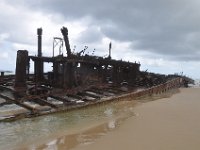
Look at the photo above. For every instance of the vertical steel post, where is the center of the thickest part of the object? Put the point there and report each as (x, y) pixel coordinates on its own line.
(39, 62)
(39, 33)
(20, 72)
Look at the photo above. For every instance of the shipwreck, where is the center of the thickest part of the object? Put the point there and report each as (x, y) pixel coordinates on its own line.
(76, 80)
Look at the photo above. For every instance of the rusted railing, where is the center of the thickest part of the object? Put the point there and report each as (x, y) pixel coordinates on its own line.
(154, 90)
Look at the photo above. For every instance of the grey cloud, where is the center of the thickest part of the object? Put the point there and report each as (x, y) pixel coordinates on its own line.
(13, 23)
(164, 27)
(90, 35)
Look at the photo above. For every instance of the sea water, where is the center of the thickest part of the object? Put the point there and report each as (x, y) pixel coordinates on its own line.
(29, 133)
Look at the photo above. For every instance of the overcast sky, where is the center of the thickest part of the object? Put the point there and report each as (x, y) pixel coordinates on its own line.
(163, 35)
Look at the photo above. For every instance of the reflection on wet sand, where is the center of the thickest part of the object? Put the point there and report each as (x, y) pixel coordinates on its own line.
(82, 138)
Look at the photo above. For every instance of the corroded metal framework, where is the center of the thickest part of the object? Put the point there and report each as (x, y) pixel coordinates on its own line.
(75, 81)
(76, 70)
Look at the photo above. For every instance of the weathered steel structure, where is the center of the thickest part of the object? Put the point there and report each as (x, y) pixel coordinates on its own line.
(76, 80)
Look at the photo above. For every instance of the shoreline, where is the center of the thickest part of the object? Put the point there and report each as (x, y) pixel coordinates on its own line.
(89, 134)
(169, 123)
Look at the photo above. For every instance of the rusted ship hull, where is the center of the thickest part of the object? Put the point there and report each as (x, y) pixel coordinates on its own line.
(75, 81)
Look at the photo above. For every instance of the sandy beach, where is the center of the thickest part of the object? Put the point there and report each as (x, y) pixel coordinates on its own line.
(165, 124)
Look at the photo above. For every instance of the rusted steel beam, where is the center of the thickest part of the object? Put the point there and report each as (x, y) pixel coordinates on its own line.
(79, 97)
(64, 100)
(5, 103)
(64, 31)
(30, 97)
(116, 89)
(44, 102)
(14, 92)
(88, 94)
(6, 88)
(103, 92)
(43, 59)
(111, 90)
(75, 96)
(95, 90)
(19, 103)
(93, 93)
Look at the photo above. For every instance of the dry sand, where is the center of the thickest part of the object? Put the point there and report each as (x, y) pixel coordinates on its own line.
(166, 124)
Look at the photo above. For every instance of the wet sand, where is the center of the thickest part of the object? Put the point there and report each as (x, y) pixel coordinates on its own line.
(165, 124)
